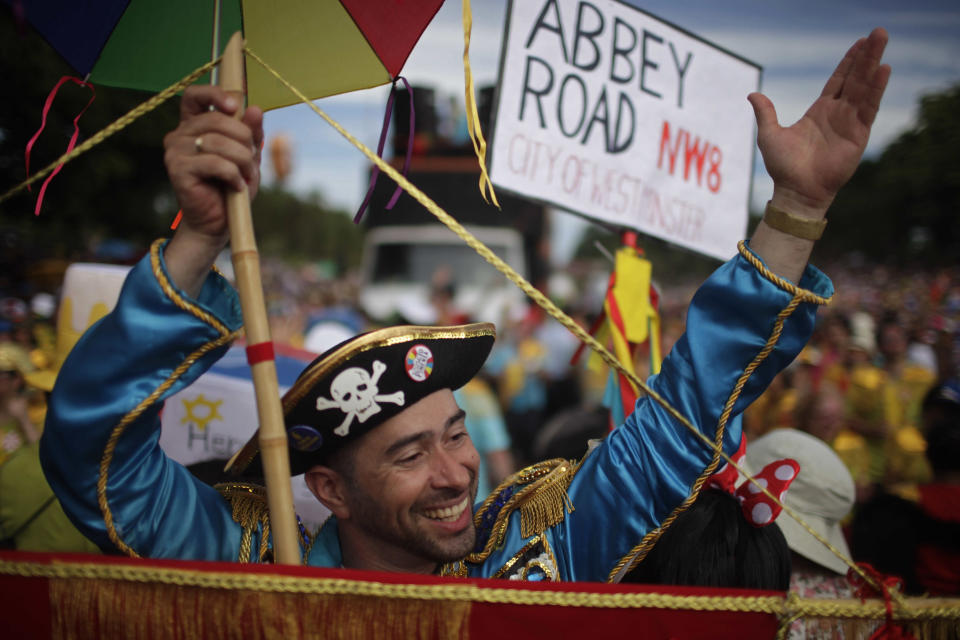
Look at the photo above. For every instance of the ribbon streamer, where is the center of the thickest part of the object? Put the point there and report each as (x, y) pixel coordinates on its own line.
(473, 118)
(43, 123)
(383, 138)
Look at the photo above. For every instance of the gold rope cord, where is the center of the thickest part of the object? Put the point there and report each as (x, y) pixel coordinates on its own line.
(547, 305)
(117, 125)
(226, 336)
(918, 609)
(640, 552)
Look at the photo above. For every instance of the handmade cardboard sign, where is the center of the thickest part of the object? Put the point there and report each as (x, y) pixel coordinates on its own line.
(613, 114)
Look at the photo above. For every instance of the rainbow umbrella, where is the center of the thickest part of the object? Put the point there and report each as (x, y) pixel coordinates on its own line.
(323, 47)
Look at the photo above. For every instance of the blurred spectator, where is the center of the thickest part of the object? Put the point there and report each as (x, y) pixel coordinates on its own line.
(835, 340)
(31, 518)
(16, 427)
(913, 530)
(821, 413)
(777, 407)
(822, 495)
(516, 363)
(908, 383)
(488, 431)
(568, 433)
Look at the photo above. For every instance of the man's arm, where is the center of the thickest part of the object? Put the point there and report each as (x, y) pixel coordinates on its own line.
(174, 317)
(743, 328)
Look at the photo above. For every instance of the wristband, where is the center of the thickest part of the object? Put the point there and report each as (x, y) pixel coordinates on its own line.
(792, 224)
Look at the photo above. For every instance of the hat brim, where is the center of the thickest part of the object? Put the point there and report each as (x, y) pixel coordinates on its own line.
(803, 542)
(460, 352)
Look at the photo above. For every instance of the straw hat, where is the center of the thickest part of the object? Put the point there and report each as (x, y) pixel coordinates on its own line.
(822, 493)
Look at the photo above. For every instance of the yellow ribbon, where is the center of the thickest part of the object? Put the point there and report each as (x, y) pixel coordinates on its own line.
(473, 117)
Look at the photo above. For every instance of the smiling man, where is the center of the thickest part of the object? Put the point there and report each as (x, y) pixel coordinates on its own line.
(373, 422)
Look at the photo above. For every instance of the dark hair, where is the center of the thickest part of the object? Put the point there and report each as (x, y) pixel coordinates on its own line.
(343, 459)
(712, 544)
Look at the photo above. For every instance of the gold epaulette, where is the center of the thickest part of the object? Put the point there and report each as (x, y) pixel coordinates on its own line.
(249, 509)
(538, 491)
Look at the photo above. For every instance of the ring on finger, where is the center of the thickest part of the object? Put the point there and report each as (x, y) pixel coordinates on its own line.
(198, 144)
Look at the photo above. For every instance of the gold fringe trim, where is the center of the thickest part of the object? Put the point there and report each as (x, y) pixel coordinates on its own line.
(249, 509)
(116, 609)
(914, 609)
(117, 125)
(548, 504)
(526, 476)
(226, 337)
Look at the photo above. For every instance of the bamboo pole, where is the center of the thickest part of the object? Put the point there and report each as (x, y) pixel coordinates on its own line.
(246, 264)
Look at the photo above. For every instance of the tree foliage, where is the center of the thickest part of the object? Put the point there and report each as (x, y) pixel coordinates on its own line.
(903, 207)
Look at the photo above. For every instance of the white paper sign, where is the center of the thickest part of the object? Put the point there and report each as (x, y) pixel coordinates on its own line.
(613, 114)
(216, 415)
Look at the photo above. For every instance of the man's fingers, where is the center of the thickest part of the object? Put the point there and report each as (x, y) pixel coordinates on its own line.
(227, 148)
(871, 103)
(198, 99)
(835, 81)
(858, 82)
(764, 111)
(214, 122)
(253, 118)
(208, 166)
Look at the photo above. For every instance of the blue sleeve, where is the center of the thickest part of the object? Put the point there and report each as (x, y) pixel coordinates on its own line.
(103, 420)
(646, 467)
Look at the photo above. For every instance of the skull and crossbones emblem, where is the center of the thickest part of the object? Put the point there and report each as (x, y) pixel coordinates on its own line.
(355, 392)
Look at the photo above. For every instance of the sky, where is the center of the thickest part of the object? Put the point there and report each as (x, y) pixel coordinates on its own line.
(797, 43)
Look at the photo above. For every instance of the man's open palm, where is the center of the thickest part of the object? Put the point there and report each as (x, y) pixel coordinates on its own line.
(817, 155)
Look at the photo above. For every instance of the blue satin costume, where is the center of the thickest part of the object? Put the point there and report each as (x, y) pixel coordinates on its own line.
(623, 489)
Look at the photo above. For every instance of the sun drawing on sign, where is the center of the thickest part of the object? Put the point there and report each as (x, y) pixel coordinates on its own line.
(207, 407)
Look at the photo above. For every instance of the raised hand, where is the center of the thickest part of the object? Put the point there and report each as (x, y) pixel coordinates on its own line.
(810, 160)
(209, 152)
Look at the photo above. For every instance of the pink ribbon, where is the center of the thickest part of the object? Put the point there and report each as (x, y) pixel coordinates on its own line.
(43, 123)
(383, 138)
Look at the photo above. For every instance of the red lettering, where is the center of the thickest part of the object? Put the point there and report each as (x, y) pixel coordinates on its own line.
(696, 154)
(664, 146)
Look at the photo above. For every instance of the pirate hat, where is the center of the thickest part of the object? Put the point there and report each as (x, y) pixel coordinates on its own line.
(366, 380)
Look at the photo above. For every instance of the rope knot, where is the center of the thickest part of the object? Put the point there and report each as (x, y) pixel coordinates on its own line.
(887, 584)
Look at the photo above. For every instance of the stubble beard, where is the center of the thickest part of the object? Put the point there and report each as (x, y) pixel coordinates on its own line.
(412, 535)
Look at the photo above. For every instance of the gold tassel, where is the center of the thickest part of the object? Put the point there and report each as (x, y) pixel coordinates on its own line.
(547, 503)
(84, 608)
(249, 505)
